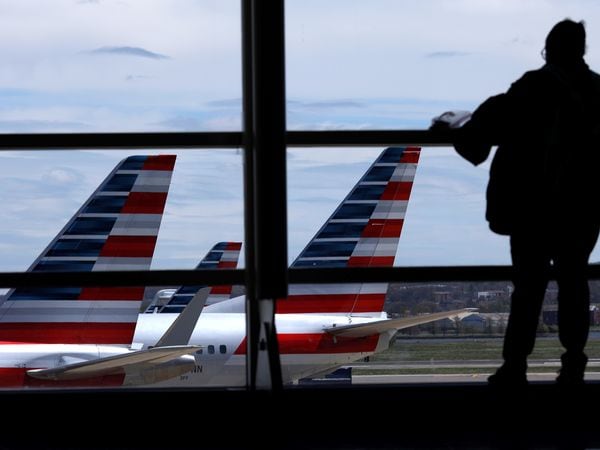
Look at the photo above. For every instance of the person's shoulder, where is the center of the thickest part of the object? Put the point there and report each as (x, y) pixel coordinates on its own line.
(595, 76)
(533, 76)
(530, 79)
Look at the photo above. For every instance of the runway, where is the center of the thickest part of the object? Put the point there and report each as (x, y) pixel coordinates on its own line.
(451, 378)
(487, 368)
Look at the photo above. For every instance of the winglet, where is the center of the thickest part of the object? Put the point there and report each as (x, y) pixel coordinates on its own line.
(180, 331)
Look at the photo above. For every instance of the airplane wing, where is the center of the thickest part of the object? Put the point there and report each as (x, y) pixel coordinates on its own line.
(114, 364)
(182, 328)
(141, 362)
(369, 328)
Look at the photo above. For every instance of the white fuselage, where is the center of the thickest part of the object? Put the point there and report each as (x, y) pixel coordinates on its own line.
(305, 348)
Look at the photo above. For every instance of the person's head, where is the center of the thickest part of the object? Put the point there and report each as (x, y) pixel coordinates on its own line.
(565, 43)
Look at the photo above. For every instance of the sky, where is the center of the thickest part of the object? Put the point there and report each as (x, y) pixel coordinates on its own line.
(174, 65)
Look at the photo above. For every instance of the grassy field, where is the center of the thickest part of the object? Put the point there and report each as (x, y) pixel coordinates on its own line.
(471, 349)
(480, 350)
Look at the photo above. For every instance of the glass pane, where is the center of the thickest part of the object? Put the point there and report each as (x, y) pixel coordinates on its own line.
(343, 212)
(388, 64)
(87, 211)
(444, 223)
(85, 66)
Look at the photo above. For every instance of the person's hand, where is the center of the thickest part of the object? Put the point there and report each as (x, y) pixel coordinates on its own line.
(450, 119)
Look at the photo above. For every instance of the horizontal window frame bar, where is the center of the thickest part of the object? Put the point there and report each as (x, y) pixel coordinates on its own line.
(234, 139)
(238, 276)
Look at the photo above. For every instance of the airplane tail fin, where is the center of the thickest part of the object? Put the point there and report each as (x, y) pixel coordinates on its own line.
(223, 255)
(115, 229)
(363, 231)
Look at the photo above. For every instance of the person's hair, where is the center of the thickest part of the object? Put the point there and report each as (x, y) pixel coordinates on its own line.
(565, 42)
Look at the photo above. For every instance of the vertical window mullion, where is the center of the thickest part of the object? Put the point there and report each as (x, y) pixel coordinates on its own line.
(265, 196)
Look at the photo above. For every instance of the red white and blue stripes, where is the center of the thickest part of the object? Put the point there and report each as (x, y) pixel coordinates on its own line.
(364, 231)
(223, 255)
(116, 229)
(226, 256)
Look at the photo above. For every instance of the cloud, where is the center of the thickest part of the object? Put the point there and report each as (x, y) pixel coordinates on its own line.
(180, 123)
(29, 126)
(202, 122)
(136, 77)
(128, 51)
(324, 104)
(61, 176)
(334, 104)
(226, 103)
(370, 113)
(446, 54)
(225, 123)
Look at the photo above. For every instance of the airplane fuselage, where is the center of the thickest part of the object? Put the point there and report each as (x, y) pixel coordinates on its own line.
(305, 349)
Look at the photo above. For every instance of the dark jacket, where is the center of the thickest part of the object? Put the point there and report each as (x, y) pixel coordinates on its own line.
(546, 167)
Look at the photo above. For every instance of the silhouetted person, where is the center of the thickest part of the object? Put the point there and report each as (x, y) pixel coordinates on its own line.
(543, 192)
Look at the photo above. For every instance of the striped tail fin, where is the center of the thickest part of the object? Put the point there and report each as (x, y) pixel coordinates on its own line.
(224, 255)
(364, 231)
(115, 229)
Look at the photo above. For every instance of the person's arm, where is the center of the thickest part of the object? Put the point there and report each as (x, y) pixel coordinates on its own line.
(476, 137)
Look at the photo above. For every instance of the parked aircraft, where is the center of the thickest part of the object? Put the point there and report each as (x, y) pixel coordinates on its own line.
(90, 329)
(323, 326)
(320, 327)
(223, 255)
